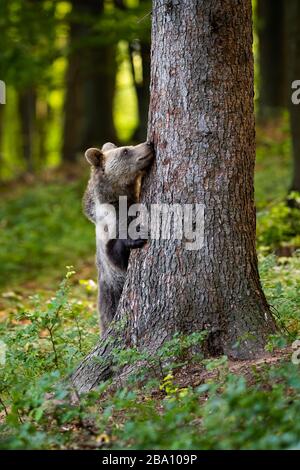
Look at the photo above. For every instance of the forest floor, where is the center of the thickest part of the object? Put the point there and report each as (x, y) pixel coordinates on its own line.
(195, 375)
(48, 322)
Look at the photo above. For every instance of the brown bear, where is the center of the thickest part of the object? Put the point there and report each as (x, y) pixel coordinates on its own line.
(115, 172)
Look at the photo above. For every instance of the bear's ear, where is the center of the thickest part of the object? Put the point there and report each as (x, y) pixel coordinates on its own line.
(94, 157)
(108, 146)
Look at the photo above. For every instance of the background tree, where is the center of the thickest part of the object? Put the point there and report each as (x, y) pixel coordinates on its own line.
(27, 110)
(293, 20)
(90, 82)
(28, 52)
(1, 136)
(60, 61)
(273, 88)
(142, 83)
(278, 33)
(202, 126)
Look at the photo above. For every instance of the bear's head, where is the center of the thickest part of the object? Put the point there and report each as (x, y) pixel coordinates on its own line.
(120, 165)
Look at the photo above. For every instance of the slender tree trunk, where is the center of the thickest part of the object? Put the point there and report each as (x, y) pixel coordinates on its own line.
(202, 126)
(42, 125)
(73, 108)
(99, 74)
(90, 84)
(120, 4)
(143, 92)
(143, 87)
(273, 90)
(27, 110)
(1, 138)
(294, 68)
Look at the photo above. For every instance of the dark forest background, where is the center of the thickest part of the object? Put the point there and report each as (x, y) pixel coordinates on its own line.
(78, 74)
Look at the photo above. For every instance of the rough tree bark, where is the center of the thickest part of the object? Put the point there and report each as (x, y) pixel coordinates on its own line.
(202, 126)
(273, 90)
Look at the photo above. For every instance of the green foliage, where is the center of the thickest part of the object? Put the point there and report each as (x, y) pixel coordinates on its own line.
(225, 412)
(125, 103)
(34, 34)
(273, 163)
(35, 47)
(262, 417)
(239, 417)
(281, 282)
(27, 44)
(43, 343)
(43, 229)
(279, 225)
(178, 351)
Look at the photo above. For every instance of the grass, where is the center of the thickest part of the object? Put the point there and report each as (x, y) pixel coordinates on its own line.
(43, 230)
(48, 325)
(273, 162)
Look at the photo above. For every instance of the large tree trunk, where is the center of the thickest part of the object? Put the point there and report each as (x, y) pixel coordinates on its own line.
(202, 126)
(273, 90)
(90, 83)
(294, 68)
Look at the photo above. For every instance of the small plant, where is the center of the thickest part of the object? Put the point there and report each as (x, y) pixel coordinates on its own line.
(278, 226)
(42, 344)
(170, 389)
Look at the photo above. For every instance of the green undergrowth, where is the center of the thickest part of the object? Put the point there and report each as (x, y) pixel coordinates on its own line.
(45, 339)
(47, 326)
(42, 231)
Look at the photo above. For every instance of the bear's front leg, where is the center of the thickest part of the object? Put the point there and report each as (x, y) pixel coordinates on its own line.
(133, 244)
(119, 250)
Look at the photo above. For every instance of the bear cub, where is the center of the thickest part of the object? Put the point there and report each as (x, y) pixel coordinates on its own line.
(115, 171)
